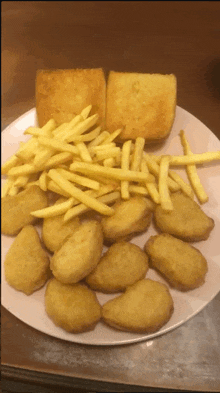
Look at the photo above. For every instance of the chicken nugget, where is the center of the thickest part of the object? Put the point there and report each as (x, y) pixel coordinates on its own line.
(74, 308)
(55, 231)
(145, 307)
(130, 217)
(16, 210)
(122, 265)
(79, 255)
(181, 264)
(26, 263)
(186, 221)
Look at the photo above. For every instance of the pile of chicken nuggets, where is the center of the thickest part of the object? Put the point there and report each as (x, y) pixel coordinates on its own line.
(69, 260)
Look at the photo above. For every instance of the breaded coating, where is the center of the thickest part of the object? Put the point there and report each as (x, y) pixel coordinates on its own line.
(79, 255)
(181, 264)
(145, 307)
(16, 209)
(122, 265)
(131, 216)
(26, 263)
(55, 231)
(186, 221)
(74, 308)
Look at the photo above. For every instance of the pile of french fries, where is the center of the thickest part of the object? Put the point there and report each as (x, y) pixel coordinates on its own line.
(80, 161)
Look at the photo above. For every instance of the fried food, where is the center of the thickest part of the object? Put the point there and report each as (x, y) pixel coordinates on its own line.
(61, 94)
(26, 263)
(143, 105)
(16, 209)
(181, 264)
(122, 265)
(79, 255)
(131, 216)
(186, 221)
(145, 307)
(55, 231)
(74, 308)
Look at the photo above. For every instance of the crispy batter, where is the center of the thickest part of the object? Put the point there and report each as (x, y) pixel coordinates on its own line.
(122, 265)
(26, 263)
(131, 216)
(145, 307)
(55, 231)
(74, 308)
(16, 209)
(186, 221)
(181, 264)
(79, 255)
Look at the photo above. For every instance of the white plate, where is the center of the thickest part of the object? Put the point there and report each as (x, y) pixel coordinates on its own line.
(30, 309)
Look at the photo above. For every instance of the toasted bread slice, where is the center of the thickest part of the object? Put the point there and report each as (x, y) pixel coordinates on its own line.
(62, 94)
(143, 105)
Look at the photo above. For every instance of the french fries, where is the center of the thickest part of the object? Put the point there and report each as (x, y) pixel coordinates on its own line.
(192, 172)
(87, 166)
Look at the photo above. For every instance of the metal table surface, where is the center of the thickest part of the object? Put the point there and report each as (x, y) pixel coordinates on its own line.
(167, 37)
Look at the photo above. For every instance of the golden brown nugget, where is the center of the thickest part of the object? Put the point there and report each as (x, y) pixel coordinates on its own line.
(55, 231)
(63, 94)
(181, 264)
(74, 308)
(26, 263)
(142, 105)
(16, 210)
(130, 217)
(79, 255)
(145, 307)
(122, 265)
(186, 221)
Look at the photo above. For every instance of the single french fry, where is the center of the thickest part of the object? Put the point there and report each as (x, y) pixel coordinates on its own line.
(112, 152)
(83, 181)
(99, 139)
(125, 155)
(25, 169)
(112, 173)
(83, 152)
(13, 190)
(81, 208)
(141, 190)
(79, 194)
(58, 145)
(58, 159)
(186, 188)
(43, 181)
(109, 162)
(111, 137)
(52, 186)
(192, 172)
(86, 111)
(89, 136)
(6, 187)
(153, 192)
(10, 163)
(55, 210)
(27, 150)
(137, 154)
(21, 181)
(165, 200)
(201, 158)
